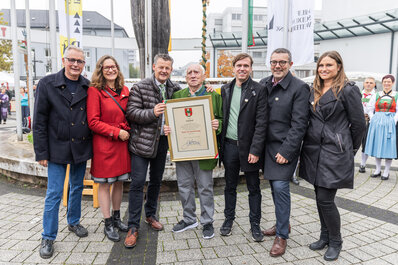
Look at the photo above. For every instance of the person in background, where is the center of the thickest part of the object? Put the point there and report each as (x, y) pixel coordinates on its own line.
(110, 165)
(24, 103)
(381, 141)
(333, 137)
(369, 89)
(4, 102)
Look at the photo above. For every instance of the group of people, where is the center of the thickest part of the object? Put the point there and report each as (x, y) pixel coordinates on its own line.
(4, 104)
(267, 125)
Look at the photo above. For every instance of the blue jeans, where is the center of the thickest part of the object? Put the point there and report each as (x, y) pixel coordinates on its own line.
(55, 186)
(232, 166)
(139, 169)
(281, 195)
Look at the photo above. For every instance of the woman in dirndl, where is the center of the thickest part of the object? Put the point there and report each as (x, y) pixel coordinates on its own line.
(381, 142)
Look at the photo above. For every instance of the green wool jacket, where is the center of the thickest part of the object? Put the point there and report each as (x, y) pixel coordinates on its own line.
(207, 164)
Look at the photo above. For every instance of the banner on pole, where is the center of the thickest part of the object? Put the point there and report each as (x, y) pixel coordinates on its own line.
(300, 29)
(70, 24)
(250, 37)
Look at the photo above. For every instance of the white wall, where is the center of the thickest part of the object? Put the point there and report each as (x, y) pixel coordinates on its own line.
(367, 53)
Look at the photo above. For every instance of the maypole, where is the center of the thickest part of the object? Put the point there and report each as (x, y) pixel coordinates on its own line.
(204, 32)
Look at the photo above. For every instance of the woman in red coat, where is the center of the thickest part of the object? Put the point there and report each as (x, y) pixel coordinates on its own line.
(110, 164)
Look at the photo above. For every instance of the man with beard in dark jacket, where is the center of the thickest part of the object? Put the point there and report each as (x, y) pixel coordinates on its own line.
(287, 123)
(61, 136)
(242, 141)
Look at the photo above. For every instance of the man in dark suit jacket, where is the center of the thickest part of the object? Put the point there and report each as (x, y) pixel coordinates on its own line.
(242, 141)
(61, 136)
(288, 110)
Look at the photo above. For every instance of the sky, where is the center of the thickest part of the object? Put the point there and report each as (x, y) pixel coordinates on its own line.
(186, 17)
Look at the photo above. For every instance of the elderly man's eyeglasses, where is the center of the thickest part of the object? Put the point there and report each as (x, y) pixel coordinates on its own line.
(73, 61)
(281, 63)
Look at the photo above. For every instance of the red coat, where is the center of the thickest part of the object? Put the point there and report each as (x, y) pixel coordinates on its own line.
(111, 157)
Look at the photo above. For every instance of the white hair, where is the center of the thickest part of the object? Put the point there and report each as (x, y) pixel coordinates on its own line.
(73, 47)
(196, 64)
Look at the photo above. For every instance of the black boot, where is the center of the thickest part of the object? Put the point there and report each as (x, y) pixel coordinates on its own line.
(334, 249)
(322, 242)
(110, 230)
(117, 222)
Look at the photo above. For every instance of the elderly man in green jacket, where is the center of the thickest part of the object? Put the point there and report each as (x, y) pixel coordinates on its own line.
(199, 170)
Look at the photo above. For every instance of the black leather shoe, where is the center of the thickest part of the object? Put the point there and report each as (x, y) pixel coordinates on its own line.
(257, 235)
(78, 229)
(332, 253)
(375, 175)
(117, 222)
(46, 248)
(318, 245)
(295, 180)
(362, 169)
(226, 228)
(110, 230)
(384, 177)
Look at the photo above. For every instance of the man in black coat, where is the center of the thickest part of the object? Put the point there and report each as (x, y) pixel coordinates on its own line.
(288, 111)
(61, 137)
(242, 141)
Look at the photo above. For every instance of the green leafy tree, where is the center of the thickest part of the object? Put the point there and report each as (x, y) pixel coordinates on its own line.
(134, 72)
(5, 50)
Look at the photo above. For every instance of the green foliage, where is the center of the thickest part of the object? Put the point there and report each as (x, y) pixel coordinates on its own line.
(134, 72)
(30, 138)
(5, 50)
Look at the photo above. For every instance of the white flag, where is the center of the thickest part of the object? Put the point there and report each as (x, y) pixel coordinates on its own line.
(75, 21)
(301, 29)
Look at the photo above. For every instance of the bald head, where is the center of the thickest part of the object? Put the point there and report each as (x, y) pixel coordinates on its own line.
(195, 75)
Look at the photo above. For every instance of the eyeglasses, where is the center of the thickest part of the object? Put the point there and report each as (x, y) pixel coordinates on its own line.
(281, 63)
(108, 68)
(73, 61)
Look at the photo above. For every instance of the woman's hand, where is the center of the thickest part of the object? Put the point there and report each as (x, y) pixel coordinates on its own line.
(124, 135)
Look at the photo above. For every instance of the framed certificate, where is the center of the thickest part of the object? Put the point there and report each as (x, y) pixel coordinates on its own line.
(191, 136)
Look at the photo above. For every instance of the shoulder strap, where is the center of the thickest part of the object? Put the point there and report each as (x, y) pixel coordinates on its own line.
(124, 112)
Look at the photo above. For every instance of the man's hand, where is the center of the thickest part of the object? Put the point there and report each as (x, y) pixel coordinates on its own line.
(280, 159)
(43, 163)
(252, 159)
(159, 109)
(166, 129)
(124, 135)
(214, 124)
(209, 88)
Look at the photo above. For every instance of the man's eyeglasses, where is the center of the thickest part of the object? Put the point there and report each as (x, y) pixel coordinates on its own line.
(108, 68)
(73, 61)
(281, 63)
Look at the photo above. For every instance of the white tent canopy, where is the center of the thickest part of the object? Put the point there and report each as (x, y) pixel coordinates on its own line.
(353, 76)
(8, 78)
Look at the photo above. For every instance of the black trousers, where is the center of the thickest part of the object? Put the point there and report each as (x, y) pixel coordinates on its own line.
(328, 215)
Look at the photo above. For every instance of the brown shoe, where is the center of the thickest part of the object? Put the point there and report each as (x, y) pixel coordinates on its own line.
(155, 224)
(272, 231)
(131, 238)
(279, 247)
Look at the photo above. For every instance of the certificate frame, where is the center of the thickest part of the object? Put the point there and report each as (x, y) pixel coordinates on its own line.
(192, 136)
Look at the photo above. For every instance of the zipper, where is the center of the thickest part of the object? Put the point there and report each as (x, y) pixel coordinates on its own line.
(338, 138)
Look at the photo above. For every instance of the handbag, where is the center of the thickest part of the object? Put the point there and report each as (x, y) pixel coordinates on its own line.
(124, 112)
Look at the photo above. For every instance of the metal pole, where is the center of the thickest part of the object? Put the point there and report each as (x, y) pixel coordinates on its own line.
(391, 50)
(15, 58)
(286, 26)
(28, 47)
(148, 37)
(53, 36)
(112, 32)
(67, 22)
(245, 24)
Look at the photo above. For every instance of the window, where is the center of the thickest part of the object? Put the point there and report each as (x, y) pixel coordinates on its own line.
(257, 54)
(218, 22)
(87, 54)
(236, 16)
(47, 52)
(258, 17)
(88, 68)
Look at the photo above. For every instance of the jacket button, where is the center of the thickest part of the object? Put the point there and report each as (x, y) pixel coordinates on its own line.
(84, 138)
(73, 139)
(72, 124)
(71, 108)
(83, 122)
(81, 108)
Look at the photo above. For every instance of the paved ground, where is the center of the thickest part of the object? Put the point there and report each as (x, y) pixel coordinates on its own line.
(369, 226)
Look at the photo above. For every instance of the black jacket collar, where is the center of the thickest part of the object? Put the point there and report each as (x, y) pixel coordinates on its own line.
(60, 80)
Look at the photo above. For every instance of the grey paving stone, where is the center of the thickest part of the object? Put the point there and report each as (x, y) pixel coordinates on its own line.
(209, 253)
(235, 240)
(21, 257)
(186, 234)
(189, 255)
(392, 258)
(246, 249)
(35, 258)
(303, 252)
(214, 242)
(8, 255)
(227, 251)
(219, 261)
(9, 244)
(99, 247)
(265, 258)
(175, 244)
(60, 258)
(244, 259)
(26, 245)
(363, 256)
(166, 257)
(376, 262)
(312, 261)
(193, 243)
(81, 258)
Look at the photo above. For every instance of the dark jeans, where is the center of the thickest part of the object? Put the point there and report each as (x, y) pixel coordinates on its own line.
(139, 169)
(280, 191)
(232, 167)
(329, 215)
